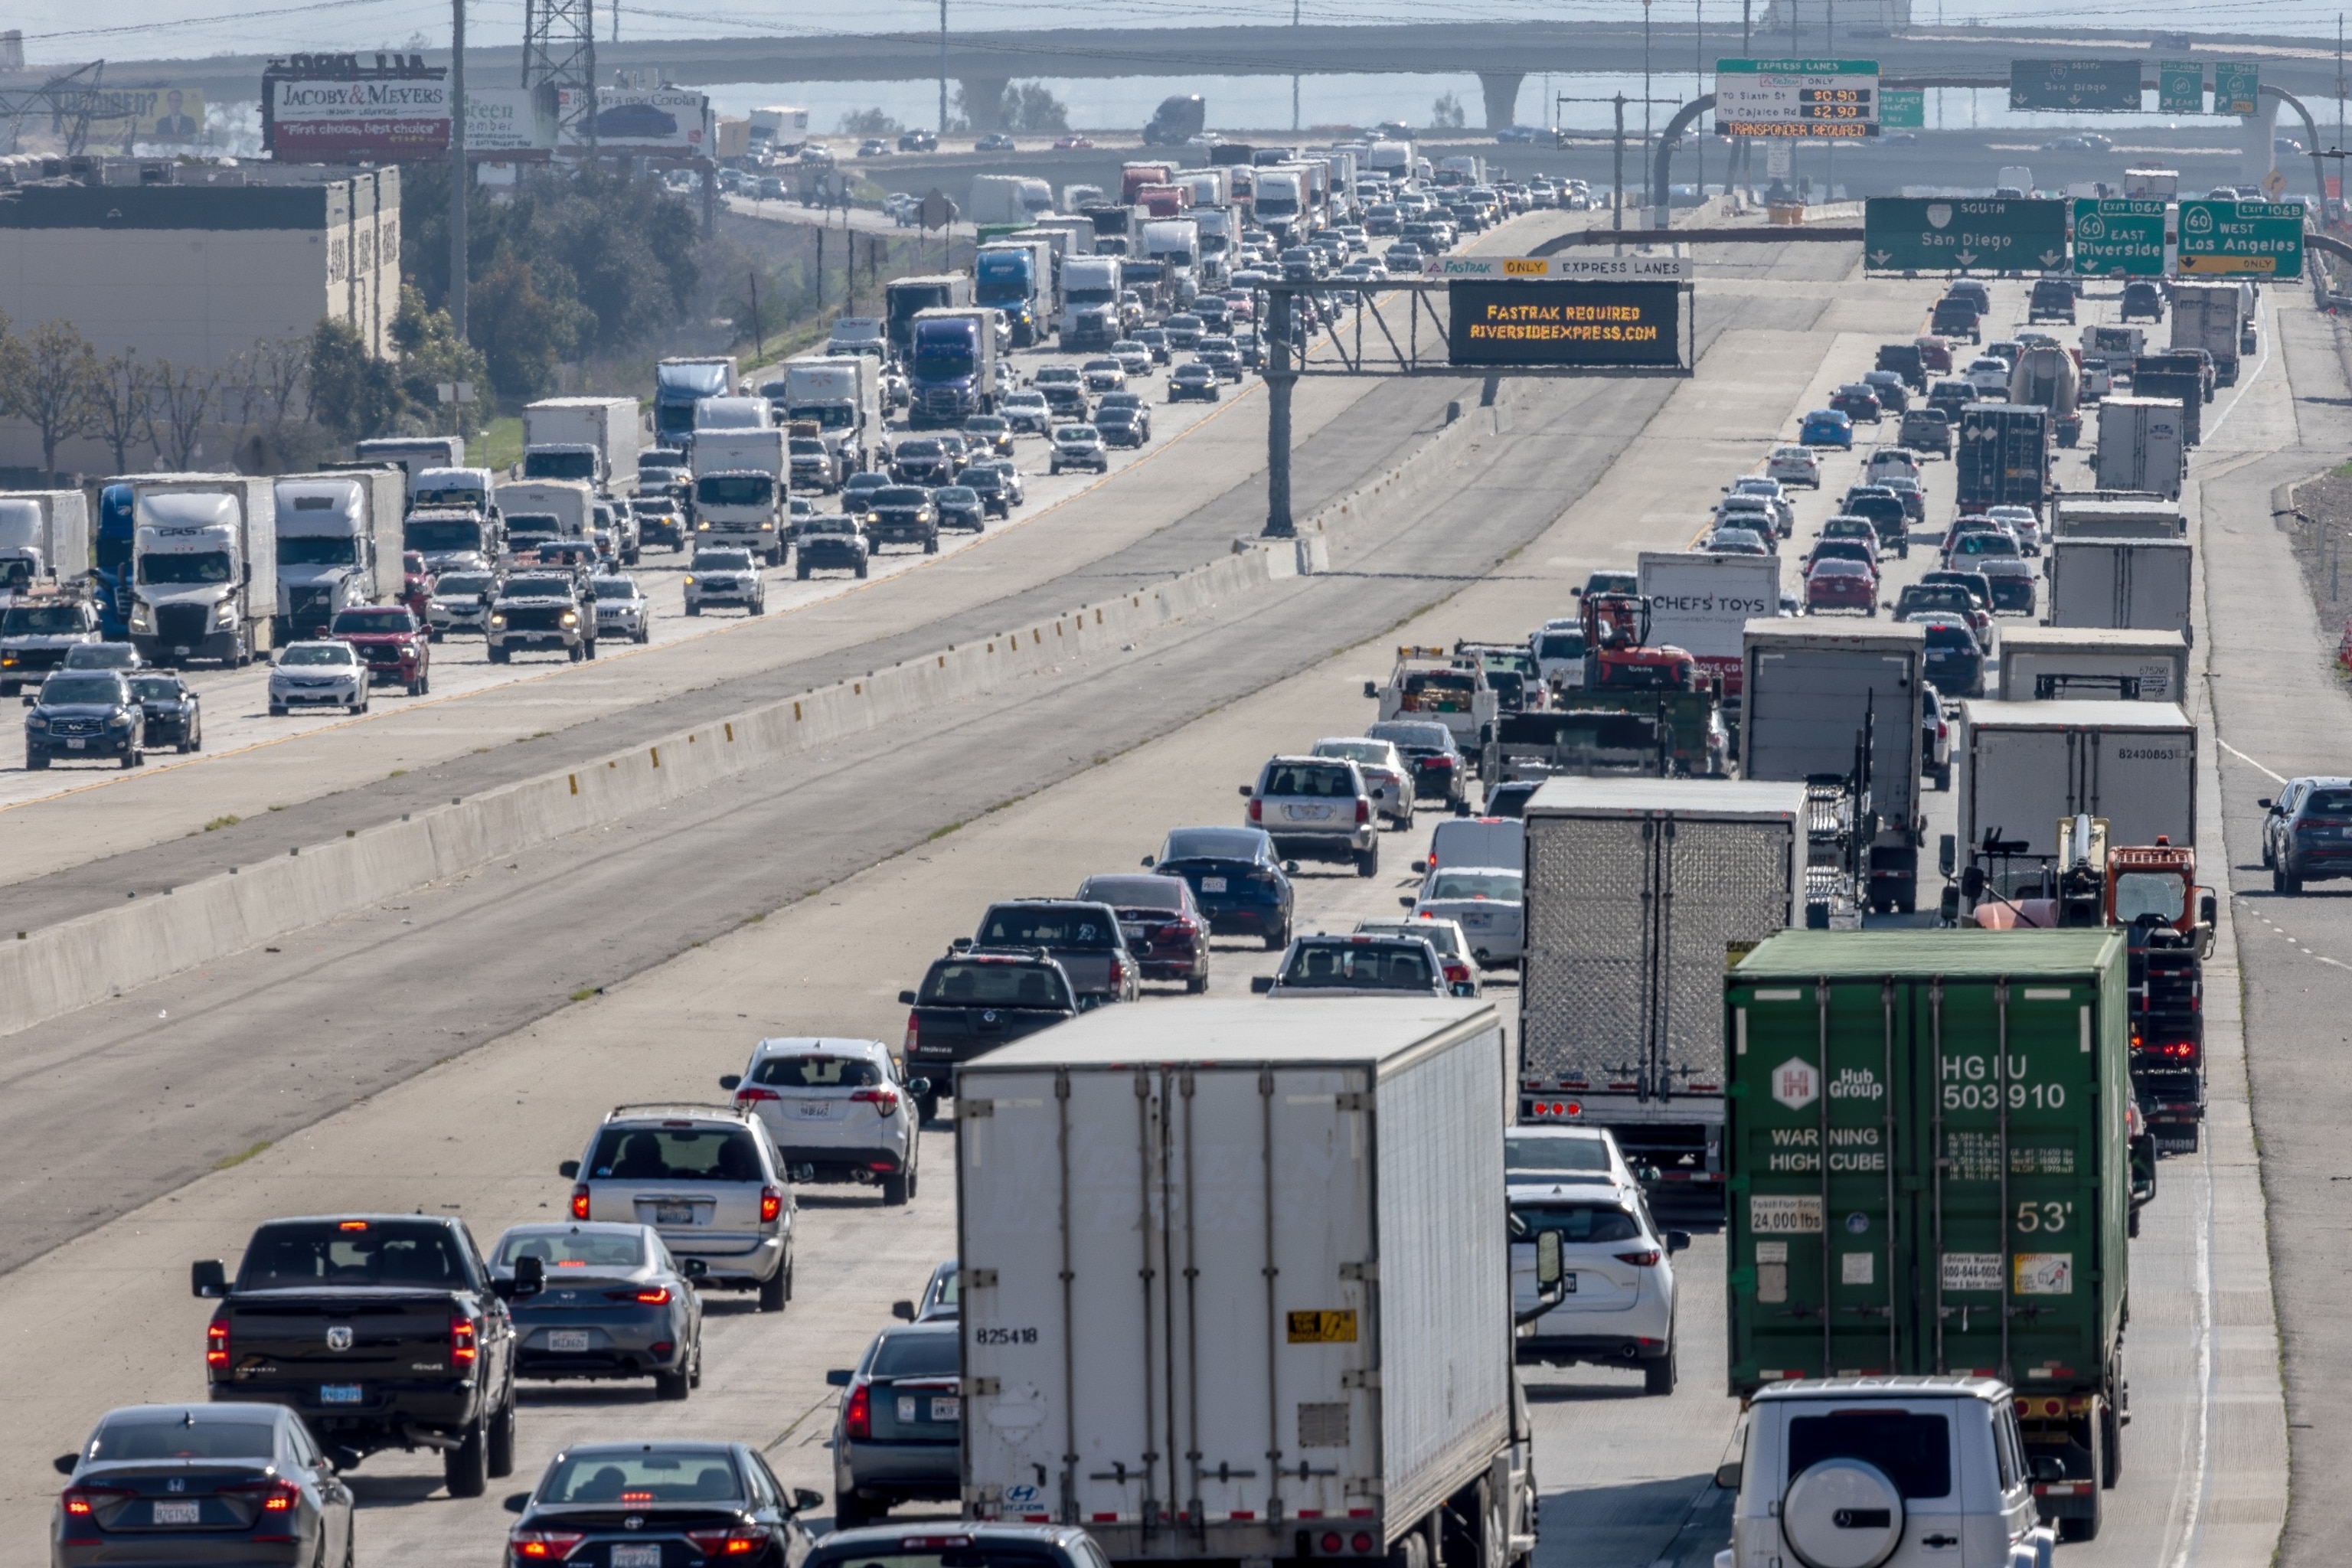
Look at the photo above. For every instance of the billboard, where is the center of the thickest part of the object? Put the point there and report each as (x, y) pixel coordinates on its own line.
(656, 120)
(126, 115)
(1564, 323)
(520, 119)
(338, 120)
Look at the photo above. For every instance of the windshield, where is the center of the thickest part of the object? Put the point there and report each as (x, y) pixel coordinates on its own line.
(1562, 645)
(956, 494)
(828, 416)
(925, 1353)
(306, 1254)
(1048, 925)
(579, 465)
(1500, 885)
(735, 489)
(899, 495)
(1530, 1152)
(155, 687)
(993, 984)
(318, 550)
(676, 1154)
(1427, 737)
(108, 690)
(198, 567)
(615, 588)
(574, 1249)
(633, 1476)
(722, 561)
(1303, 779)
(199, 1434)
(41, 620)
(1214, 844)
(537, 588)
(807, 447)
(1576, 1223)
(360, 623)
(1374, 752)
(444, 536)
(2156, 894)
(464, 585)
(1342, 966)
(317, 653)
(1987, 543)
(1136, 894)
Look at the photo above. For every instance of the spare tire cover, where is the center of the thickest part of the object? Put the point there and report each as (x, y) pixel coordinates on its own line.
(1843, 1513)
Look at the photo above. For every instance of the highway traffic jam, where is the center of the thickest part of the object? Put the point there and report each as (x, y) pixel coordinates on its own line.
(1277, 1166)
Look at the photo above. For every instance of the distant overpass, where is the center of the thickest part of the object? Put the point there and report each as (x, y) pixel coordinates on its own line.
(1502, 55)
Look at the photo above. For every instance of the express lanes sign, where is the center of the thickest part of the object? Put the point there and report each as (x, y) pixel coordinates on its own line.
(1572, 268)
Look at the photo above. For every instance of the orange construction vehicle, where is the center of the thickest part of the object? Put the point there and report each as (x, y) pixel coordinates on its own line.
(1619, 654)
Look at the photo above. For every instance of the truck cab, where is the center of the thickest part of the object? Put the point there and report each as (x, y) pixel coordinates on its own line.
(36, 632)
(1431, 683)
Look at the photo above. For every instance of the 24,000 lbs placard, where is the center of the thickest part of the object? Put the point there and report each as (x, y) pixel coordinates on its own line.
(1562, 323)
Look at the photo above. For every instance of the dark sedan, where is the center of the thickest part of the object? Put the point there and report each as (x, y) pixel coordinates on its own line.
(1195, 381)
(174, 713)
(901, 1419)
(200, 1483)
(960, 506)
(1955, 665)
(1441, 774)
(83, 715)
(1857, 402)
(615, 1304)
(1163, 922)
(641, 1505)
(1236, 880)
(997, 484)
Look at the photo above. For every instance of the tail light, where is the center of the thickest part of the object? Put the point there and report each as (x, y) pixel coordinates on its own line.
(772, 1204)
(1639, 1260)
(1363, 811)
(657, 1296)
(914, 1028)
(546, 1546)
(80, 1502)
(276, 1496)
(857, 1414)
(462, 1345)
(751, 1095)
(740, 1541)
(216, 1342)
(1257, 810)
(884, 1100)
(579, 1200)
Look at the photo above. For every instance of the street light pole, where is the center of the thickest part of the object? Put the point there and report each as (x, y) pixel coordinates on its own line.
(943, 69)
(458, 181)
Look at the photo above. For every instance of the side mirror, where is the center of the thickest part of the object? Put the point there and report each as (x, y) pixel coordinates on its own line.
(1372, 689)
(919, 1086)
(804, 1500)
(1947, 908)
(1549, 1267)
(838, 1377)
(1677, 1241)
(694, 1268)
(1149, 862)
(569, 1170)
(1727, 1477)
(530, 1275)
(2048, 1468)
(516, 1503)
(1462, 808)
(1290, 867)
(903, 1310)
(1407, 901)
(2207, 909)
(1421, 868)
(1247, 791)
(208, 1279)
(907, 998)
(31, 700)
(730, 1081)
(66, 1464)
(1972, 883)
(1261, 985)
(1948, 854)
(2267, 805)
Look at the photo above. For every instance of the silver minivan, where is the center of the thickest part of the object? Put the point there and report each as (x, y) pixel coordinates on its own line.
(709, 1178)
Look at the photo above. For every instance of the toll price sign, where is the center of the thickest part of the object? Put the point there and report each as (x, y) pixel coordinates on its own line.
(1562, 323)
(2181, 87)
(2241, 240)
(1797, 97)
(2237, 86)
(1904, 234)
(2120, 237)
(2108, 86)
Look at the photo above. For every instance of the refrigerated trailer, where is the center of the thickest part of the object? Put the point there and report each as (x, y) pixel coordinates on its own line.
(2023, 767)
(2039, 663)
(2102, 581)
(1634, 892)
(1235, 1283)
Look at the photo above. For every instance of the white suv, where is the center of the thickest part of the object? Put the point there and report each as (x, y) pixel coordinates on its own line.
(836, 1110)
(708, 1177)
(1079, 447)
(1618, 1269)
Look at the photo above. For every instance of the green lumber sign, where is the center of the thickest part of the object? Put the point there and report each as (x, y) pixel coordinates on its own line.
(2119, 236)
(1931, 235)
(2241, 240)
(2181, 87)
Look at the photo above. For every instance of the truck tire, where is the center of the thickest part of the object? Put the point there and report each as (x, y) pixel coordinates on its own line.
(2112, 1425)
(579, 652)
(931, 544)
(502, 655)
(2077, 1528)
(803, 570)
(1368, 861)
(848, 1513)
(694, 609)
(894, 1190)
(1660, 1376)
(861, 570)
(927, 1108)
(465, 1469)
(772, 1289)
(502, 1438)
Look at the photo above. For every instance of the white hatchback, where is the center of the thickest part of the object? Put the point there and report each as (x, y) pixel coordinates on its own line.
(1794, 466)
(836, 1110)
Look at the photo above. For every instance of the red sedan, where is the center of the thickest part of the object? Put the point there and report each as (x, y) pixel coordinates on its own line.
(1834, 583)
(392, 643)
(1164, 927)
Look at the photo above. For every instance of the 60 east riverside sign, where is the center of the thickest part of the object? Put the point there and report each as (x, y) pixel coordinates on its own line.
(1557, 323)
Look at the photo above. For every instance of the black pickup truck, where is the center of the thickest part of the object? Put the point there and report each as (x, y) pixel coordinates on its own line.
(384, 1330)
(977, 999)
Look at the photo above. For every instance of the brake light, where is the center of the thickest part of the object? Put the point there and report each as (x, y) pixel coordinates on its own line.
(749, 1095)
(1639, 1259)
(914, 1028)
(1257, 810)
(80, 1502)
(216, 1342)
(547, 1545)
(884, 1101)
(462, 1349)
(772, 1204)
(276, 1496)
(1363, 811)
(740, 1541)
(579, 1200)
(857, 1416)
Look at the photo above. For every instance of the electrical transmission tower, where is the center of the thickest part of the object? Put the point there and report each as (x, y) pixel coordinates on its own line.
(559, 49)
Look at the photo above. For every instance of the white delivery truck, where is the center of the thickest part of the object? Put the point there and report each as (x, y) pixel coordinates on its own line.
(2209, 316)
(739, 485)
(2110, 514)
(1702, 603)
(1635, 890)
(2024, 767)
(339, 544)
(1811, 691)
(1090, 309)
(203, 565)
(2039, 663)
(842, 395)
(1253, 1294)
(2104, 582)
(592, 439)
(1007, 198)
(2142, 445)
(470, 490)
(44, 538)
(536, 510)
(414, 454)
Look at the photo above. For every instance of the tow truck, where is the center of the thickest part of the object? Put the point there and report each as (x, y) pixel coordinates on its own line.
(1625, 672)
(1433, 684)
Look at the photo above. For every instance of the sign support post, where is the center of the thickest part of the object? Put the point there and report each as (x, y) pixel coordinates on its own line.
(1280, 378)
(461, 182)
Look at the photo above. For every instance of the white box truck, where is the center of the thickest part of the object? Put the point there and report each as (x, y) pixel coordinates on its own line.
(204, 562)
(740, 487)
(413, 454)
(2026, 766)
(1007, 198)
(1635, 890)
(535, 511)
(2209, 316)
(339, 544)
(44, 539)
(2143, 444)
(1702, 603)
(1235, 1283)
(2039, 663)
(842, 393)
(1811, 690)
(2146, 584)
(1091, 308)
(2113, 515)
(593, 439)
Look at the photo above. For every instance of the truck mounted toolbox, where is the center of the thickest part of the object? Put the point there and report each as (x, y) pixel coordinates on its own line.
(1969, 1092)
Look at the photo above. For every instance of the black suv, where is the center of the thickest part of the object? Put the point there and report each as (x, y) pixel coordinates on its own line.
(82, 715)
(1124, 419)
(2142, 301)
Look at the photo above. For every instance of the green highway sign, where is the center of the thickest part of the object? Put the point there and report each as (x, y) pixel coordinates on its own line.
(2237, 86)
(2241, 240)
(1903, 109)
(2181, 87)
(2119, 236)
(1904, 234)
(2096, 85)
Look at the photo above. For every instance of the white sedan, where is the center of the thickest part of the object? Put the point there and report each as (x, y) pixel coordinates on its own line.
(318, 675)
(1384, 772)
(1485, 900)
(1794, 466)
(1079, 447)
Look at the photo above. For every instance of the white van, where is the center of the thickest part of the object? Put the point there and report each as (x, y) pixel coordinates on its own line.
(1476, 841)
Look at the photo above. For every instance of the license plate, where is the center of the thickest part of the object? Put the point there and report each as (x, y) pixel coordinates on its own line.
(645, 1556)
(948, 1409)
(1137, 933)
(178, 1512)
(1305, 812)
(816, 1108)
(673, 1214)
(1212, 884)
(76, 745)
(567, 1340)
(338, 1393)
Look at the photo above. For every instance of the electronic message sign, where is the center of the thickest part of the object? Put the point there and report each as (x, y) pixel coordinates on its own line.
(1543, 324)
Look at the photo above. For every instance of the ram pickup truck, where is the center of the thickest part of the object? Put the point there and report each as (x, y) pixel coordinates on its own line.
(974, 1000)
(384, 1330)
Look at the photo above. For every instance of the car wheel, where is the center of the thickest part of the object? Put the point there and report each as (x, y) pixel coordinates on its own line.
(894, 1190)
(772, 1289)
(931, 545)
(465, 1469)
(1197, 984)
(2293, 884)
(927, 1108)
(578, 652)
(502, 1438)
(848, 1513)
(644, 634)
(673, 1385)
(277, 710)
(697, 609)
(861, 570)
(2269, 860)
(804, 576)
(1275, 941)
(757, 607)
(505, 655)
(1944, 778)
(1368, 861)
(437, 635)
(195, 742)
(591, 649)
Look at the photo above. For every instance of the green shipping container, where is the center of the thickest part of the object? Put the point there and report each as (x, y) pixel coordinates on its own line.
(1968, 1091)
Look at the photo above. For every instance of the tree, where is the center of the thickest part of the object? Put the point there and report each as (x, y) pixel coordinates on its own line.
(49, 382)
(1447, 114)
(869, 123)
(352, 392)
(179, 401)
(524, 335)
(118, 399)
(1029, 106)
(431, 356)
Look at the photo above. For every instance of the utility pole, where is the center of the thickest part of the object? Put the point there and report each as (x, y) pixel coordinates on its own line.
(460, 181)
(1280, 377)
(1294, 75)
(1744, 152)
(943, 69)
(1698, 91)
(759, 333)
(1646, 81)
(1617, 202)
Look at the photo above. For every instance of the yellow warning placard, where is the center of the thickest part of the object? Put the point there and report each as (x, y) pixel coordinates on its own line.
(1322, 1328)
